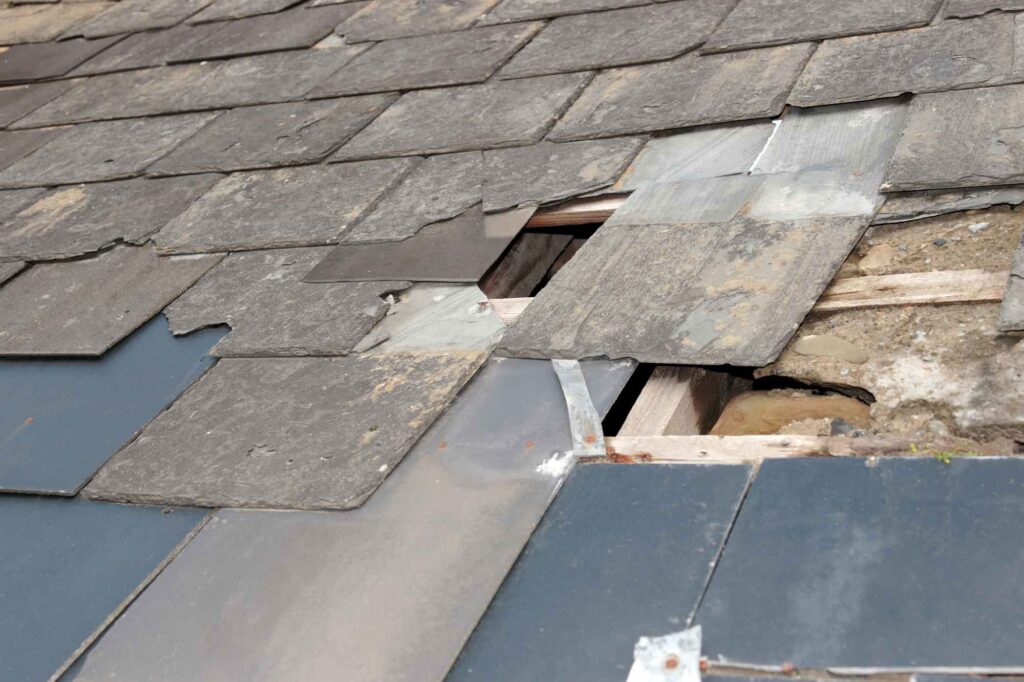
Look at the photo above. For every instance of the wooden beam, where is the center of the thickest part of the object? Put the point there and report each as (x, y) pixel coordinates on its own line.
(577, 212)
(681, 401)
(523, 267)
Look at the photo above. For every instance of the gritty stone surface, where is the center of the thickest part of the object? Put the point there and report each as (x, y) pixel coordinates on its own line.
(520, 10)
(129, 16)
(219, 10)
(1011, 315)
(766, 412)
(16, 102)
(17, 144)
(143, 50)
(974, 8)
(9, 270)
(13, 200)
(38, 61)
(30, 24)
(386, 19)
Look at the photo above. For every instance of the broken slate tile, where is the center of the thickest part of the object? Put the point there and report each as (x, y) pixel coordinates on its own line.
(304, 206)
(16, 102)
(386, 19)
(880, 542)
(271, 312)
(103, 151)
(1011, 314)
(905, 206)
(9, 270)
(79, 219)
(273, 135)
(42, 24)
(974, 8)
(520, 10)
(39, 61)
(73, 567)
(310, 433)
(143, 50)
(428, 61)
(760, 23)
(84, 307)
(688, 91)
(219, 10)
(17, 144)
(496, 114)
(626, 36)
(129, 16)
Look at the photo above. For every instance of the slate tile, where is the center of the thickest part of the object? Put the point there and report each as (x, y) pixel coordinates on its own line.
(905, 206)
(73, 566)
(688, 91)
(760, 23)
(1011, 314)
(84, 307)
(641, 542)
(273, 135)
(144, 50)
(38, 61)
(496, 114)
(974, 8)
(79, 219)
(219, 10)
(41, 24)
(13, 200)
(428, 61)
(386, 19)
(9, 270)
(522, 10)
(16, 102)
(950, 55)
(103, 151)
(627, 36)
(434, 543)
(272, 313)
(879, 542)
(17, 144)
(311, 433)
(303, 206)
(129, 16)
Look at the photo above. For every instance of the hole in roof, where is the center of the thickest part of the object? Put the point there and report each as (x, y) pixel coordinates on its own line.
(532, 259)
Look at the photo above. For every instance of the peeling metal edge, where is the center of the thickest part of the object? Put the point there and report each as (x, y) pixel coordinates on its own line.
(584, 420)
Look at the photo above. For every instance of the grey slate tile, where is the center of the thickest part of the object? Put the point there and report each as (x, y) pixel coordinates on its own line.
(79, 219)
(273, 135)
(434, 543)
(272, 313)
(974, 8)
(103, 151)
(1011, 314)
(41, 24)
(16, 102)
(17, 144)
(13, 200)
(879, 542)
(84, 307)
(303, 206)
(386, 19)
(310, 433)
(39, 61)
(129, 16)
(53, 445)
(496, 114)
(688, 91)
(626, 36)
(759, 23)
(9, 270)
(623, 552)
(143, 50)
(521, 10)
(469, 56)
(219, 10)
(903, 206)
(72, 567)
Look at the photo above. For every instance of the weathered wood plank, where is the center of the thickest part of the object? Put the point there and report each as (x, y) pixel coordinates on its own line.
(680, 401)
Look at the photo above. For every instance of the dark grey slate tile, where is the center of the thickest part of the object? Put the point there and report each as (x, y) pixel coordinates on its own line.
(54, 446)
(273, 135)
(79, 219)
(304, 206)
(35, 24)
(219, 10)
(974, 8)
(1011, 314)
(271, 312)
(623, 552)
(39, 61)
(521, 10)
(759, 23)
(496, 114)
(144, 50)
(16, 102)
(386, 19)
(434, 543)
(310, 433)
(103, 151)
(851, 560)
(627, 36)
(688, 91)
(9, 270)
(427, 61)
(129, 16)
(84, 307)
(903, 206)
(17, 144)
(72, 567)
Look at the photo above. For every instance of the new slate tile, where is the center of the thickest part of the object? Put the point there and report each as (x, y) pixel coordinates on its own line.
(71, 567)
(302, 206)
(688, 91)
(851, 561)
(84, 307)
(428, 61)
(295, 433)
(623, 552)
(129, 16)
(386, 19)
(627, 36)
(271, 312)
(30, 24)
(434, 543)
(103, 151)
(496, 114)
(974, 8)
(17, 144)
(273, 135)
(16, 102)
(1011, 314)
(520, 10)
(144, 50)
(53, 446)
(219, 10)
(39, 61)
(758, 23)
(79, 219)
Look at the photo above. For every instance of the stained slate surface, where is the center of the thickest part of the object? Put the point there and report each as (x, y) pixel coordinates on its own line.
(13, 200)
(851, 561)
(17, 144)
(39, 61)
(65, 418)
(40, 24)
(128, 16)
(972, 8)
(16, 102)
(518, 10)
(1011, 314)
(293, 433)
(623, 552)
(219, 10)
(385, 19)
(143, 50)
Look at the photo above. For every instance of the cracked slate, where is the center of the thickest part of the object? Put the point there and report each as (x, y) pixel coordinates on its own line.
(41, 24)
(294, 433)
(129, 16)
(626, 36)
(17, 144)
(103, 151)
(688, 91)
(905, 206)
(271, 312)
(9, 270)
(386, 19)
(974, 8)
(303, 206)
(520, 10)
(1011, 314)
(84, 307)
(495, 114)
(428, 61)
(878, 542)
(143, 50)
(272, 135)
(237, 9)
(79, 219)
(39, 61)
(16, 102)
(759, 23)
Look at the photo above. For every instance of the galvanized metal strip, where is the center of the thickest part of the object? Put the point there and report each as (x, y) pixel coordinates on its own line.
(584, 420)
